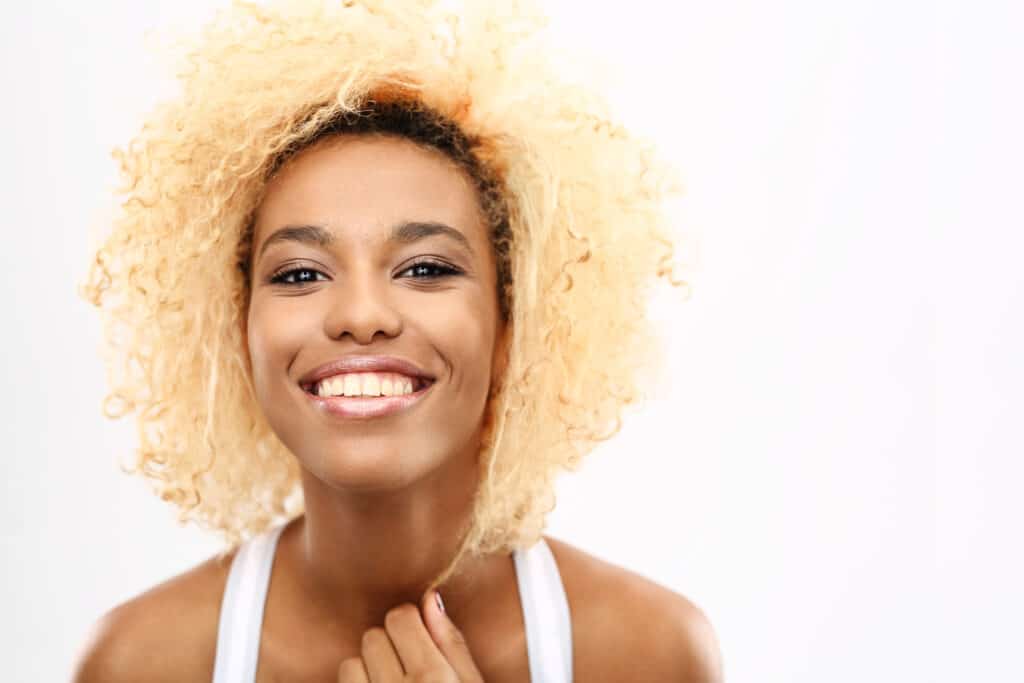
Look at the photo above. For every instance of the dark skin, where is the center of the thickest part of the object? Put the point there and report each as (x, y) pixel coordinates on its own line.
(385, 497)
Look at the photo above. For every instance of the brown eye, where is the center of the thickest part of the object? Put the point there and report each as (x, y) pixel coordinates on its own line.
(295, 276)
(430, 270)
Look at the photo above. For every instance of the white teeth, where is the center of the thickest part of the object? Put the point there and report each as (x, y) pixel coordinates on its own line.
(328, 387)
(365, 384)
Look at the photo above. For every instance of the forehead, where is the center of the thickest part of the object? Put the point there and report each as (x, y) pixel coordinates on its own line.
(361, 186)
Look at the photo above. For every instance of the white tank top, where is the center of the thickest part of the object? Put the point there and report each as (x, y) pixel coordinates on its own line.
(545, 612)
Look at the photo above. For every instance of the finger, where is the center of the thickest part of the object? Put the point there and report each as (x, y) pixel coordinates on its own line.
(379, 657)
(351, 670)
(413, 643)
(449, 638)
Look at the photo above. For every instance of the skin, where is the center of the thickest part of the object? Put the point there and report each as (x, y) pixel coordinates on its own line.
(385, 497)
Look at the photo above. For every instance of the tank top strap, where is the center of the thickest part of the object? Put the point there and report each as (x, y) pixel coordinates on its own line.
(545, 614)
(241, 609)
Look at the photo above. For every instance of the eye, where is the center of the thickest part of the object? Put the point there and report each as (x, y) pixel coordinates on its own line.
(430, 270)
(295, 276)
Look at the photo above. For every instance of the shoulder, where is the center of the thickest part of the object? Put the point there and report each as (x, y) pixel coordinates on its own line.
(658, 634)
(168, 633)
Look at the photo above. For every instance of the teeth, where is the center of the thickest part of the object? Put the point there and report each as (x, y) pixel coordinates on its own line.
(365, 384)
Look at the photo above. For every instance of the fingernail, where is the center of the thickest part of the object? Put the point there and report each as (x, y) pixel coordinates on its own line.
(440, 602)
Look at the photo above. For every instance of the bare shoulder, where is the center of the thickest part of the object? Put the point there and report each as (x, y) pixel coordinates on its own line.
(168, 633)
(627, 627)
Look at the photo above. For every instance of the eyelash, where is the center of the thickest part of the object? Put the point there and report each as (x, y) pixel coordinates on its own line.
(445, 271)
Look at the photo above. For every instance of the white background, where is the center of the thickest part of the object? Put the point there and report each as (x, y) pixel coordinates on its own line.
(831, 476)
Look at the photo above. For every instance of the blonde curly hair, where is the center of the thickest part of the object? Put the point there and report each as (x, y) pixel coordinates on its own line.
(586, 234)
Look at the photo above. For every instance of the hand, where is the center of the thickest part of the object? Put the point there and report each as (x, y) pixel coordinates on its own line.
(413, 648)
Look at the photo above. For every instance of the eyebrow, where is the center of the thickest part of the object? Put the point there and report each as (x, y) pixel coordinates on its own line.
(406, 232)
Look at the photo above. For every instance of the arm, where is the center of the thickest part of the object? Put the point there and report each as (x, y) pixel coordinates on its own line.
(146, 639)
(689, 634)
(105, 655)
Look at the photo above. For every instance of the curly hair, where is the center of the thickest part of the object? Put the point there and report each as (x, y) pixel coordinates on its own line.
(575, 203)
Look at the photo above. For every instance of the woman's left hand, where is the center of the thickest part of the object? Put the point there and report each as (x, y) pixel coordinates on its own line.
(416, 644)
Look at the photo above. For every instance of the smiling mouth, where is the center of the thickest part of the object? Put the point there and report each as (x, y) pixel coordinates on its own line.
(364, 407)
(367, 386)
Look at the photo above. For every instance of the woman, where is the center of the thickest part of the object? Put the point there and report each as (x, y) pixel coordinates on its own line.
(379, 275)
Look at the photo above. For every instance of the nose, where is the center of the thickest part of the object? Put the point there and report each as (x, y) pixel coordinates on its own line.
(361, 307)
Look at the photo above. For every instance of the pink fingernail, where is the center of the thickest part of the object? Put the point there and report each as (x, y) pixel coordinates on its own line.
(440, 602)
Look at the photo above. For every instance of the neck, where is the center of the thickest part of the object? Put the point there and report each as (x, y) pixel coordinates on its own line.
(360, 554)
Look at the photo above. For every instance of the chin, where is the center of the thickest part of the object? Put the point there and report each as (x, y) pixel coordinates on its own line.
(366, 465)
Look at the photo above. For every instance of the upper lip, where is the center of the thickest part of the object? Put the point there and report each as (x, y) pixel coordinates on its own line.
(364, 364)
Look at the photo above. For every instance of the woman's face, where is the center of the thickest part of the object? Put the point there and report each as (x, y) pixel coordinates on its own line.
(390, 258)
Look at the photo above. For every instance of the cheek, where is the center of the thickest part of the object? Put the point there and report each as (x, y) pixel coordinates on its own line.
(274, 337)
(470, 340)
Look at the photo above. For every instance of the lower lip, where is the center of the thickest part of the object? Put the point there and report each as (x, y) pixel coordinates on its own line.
(361, 407)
